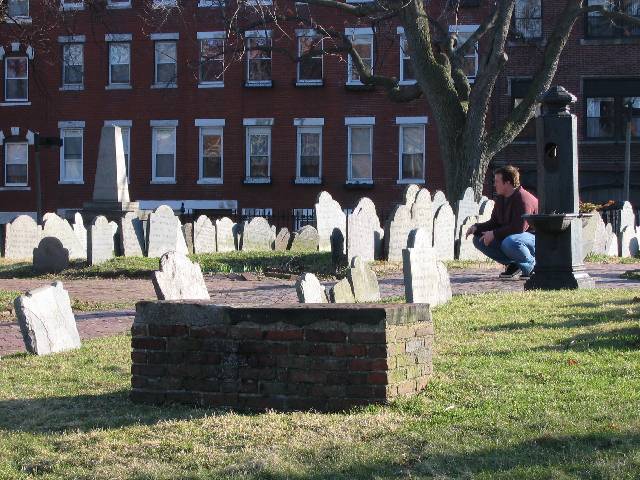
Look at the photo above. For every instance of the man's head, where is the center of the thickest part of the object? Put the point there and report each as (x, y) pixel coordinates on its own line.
(506, 179)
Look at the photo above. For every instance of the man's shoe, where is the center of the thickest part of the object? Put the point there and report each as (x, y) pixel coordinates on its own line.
(512, 271)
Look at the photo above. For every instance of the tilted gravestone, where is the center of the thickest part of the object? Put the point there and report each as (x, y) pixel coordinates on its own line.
(283, 239)
(132, 235)
(611, 248)
(204, 235)
(224, 235)
(164, 233)
(310, 290)
(50, 256)
(179, 279)
(330, 221)
(187, 233)
(364, 282)
(467, 207)
(80, 232)
(342, 292)
(100, 246)
(396, 232)
(422, 277)
(21, 236)
(46, 320)
(363, 231)
(257, 235)
(443, 232)
(57, 227)
(305, 240)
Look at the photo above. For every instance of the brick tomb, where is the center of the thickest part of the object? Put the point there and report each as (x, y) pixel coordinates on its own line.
(287, 357)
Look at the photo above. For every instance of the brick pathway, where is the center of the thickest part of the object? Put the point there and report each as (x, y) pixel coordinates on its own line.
(230, 291)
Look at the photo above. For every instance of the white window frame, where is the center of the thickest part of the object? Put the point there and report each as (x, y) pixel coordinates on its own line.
(308, 125)
(208, 36)
(402, 123)
(164, 3)
(124, 125)
(115, 4)
(214, 125)
(258, 126)
(309, 33)
(7, 79)
(66, 127)
(111, 83)
(71, 86)
(258, 34)
(468, 29)
(211, 4)
(359, 122)
(156, 62)
(20, 18)
(157, 125)
(403, 56)
(6, 163)
(71, 5)
(356, 33)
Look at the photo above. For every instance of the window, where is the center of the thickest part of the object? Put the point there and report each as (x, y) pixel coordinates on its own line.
(303, 217)
(258, 61)
(360, 148)
(119, 3)
(166, 63)
(16, 159)
(309, 66)
(600, 117)
(72, 4)
(71, 155)
(119, 63)
(211, 68)
(211, 3)
(18, 8)
(165, 3)
(258, 150)
(519, 89)
(309, 150)
(411, 149)
(470, 63)
(73, 64)
(527, 19)
(601, 26)
(606, 101)
(164, 154)
(16, 79)
(362, 41)
(407, 74)
(210, 155)
(632, 103)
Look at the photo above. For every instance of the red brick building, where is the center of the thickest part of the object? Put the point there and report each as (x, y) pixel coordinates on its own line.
(262, 131)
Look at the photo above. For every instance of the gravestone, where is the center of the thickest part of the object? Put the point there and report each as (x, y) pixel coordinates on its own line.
(179, 279)
(310, 290)
(57, 227)
(46, 320)
(21, 236)
(364, 282)
(437, 200)
(282, 239)
(237, 235)
(342, 292)
(422, 277)
(628, 243)
(363, 231)
(331, 221)
(164, 232)
(305, 240)
(409, 194)
(486, 209)
(421, 212)
(396, 232)
(80, 232)
(50, 256)
(611, 248)
(100, 248)
(257, 235)
(187, 233)
(627, 217)
(181, 244)
(466, 248)
(204, 235)
(600, 240)
(467, 207)
(132, 235)
(589, 227)
(224, 235)
(443, 232)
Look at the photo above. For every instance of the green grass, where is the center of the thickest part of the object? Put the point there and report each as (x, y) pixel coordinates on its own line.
(597, 258)
(527, 386)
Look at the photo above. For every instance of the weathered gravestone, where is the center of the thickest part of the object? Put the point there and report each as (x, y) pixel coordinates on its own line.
(611, 248)
(396, 232)
(164, 233)
(204, 235)
(282, 239)
(467, 207)
(305, 240)
(364, 282)
(627, 217)
(342, 292)
(600, 240)
(57, 227)
(466, 248)
(423, 281)
(224, 235)
(444, 222)
(132, 235)
(409, 194)
(50, 256)
(22, 235)
(187, 233)
(46, 320)
(421, 212)
(589, 227)
(100, 247)
(331, 222)
(257, 235)
(80, 232)
(363, 231)
(486, 209)
(628, 244)
(438, 199)
(179, 279)
(310, 290)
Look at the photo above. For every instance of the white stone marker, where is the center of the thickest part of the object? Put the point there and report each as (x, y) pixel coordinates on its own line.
(310, 290)
(101, 241)
(179, 279)
(330, 221)
(22, 235)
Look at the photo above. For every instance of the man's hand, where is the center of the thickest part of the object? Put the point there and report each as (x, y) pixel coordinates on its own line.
(472, 229)
(488, 237)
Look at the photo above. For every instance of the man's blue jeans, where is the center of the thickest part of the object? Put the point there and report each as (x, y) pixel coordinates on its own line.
(519, 249)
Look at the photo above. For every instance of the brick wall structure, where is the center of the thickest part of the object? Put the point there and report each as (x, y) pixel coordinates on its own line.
(288, 357)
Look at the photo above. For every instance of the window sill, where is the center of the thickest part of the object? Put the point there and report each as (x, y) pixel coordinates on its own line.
(265, 84)
(19, 20)
(71, 88)
(163, 182)
(210, 181)
(407, 82)
(118, 87)
(164, 85)
(78, 6)
(359, 184)
(257, 181)
(359, 87)
(119, 7)
(202, 4)
(609, 41)
(15, 188)
(308, 181)
(71, 182)
(409, 181)
(211, 85)
(309, 83)
(15, 104)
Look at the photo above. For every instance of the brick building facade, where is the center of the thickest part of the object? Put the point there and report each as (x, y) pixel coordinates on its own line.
(264, 132)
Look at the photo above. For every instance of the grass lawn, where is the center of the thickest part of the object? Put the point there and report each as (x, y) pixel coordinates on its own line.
(530, 386)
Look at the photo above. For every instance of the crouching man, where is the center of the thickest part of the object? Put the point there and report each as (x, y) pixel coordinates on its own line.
(507, 238)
